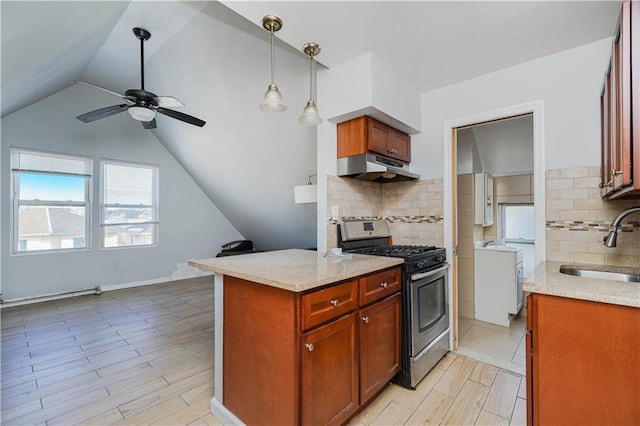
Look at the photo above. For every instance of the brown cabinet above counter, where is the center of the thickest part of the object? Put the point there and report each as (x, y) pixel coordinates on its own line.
(619, 103)
(364, 134)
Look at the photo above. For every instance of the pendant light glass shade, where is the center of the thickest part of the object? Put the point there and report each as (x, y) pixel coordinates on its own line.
(310, 115)
(272, 98)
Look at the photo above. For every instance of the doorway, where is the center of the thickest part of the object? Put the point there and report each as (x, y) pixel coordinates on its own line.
(488, 342)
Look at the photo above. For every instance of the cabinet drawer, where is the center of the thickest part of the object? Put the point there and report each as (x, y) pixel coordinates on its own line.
(381, 284)
(323, 305)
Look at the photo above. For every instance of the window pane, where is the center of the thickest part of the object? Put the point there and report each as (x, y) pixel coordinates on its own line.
(128, 185)
(46, 187)
(129, 235)
(519, 222)
(51, 228)
(127, 215)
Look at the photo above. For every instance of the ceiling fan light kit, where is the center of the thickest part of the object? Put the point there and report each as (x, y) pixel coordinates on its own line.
(141, 113)
(310, 115)
(141, 104)
(272, 98)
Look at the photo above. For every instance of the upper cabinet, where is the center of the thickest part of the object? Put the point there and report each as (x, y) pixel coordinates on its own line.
(620, 95)
(364, 134)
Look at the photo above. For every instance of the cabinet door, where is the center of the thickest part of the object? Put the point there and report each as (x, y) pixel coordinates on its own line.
(380, 341)
(585, 362)
(400, 146)
(378, 137)
(329, 373)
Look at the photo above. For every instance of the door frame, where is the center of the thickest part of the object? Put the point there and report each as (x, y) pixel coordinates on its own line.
(536, 108)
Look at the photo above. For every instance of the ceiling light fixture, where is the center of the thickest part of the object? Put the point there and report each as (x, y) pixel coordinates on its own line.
(272, 98)
(141, 113)
(310, 115)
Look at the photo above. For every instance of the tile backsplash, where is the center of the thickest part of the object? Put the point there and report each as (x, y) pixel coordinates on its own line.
(577, 220)
(413, 209)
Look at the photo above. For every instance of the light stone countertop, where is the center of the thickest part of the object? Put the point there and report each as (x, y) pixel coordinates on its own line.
(547, 279)
(295, 270)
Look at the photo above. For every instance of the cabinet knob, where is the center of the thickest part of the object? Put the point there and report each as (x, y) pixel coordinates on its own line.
(384, 285)
(310, 347)
(366, 320)
(334, 302)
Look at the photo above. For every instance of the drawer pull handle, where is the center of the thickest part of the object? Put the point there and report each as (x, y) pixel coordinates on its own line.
(384, 285)
(334, 302)
(310, 347)
(366, 320)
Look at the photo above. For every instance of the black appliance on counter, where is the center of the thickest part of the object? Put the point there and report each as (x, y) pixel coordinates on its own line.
(425, 304)
(235, 248)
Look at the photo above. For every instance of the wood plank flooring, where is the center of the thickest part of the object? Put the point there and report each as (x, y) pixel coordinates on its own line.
(145, 356)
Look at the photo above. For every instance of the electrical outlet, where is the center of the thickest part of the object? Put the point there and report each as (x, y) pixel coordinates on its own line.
(207, 251)
(335, 212)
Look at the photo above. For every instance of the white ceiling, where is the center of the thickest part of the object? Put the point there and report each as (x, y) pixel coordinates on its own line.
(432, 44)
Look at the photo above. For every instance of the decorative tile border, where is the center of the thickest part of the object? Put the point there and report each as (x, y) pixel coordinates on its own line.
(393, 219)
(583, 225)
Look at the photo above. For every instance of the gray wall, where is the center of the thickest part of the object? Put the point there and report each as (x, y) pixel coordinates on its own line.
(189, 222)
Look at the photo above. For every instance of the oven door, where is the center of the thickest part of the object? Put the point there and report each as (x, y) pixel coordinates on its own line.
(429, 307)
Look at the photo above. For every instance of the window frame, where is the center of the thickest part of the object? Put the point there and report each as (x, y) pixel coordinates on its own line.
(14, 219)
(154, 207)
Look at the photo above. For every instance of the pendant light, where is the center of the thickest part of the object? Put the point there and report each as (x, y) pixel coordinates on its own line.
(272, 98)
(310, 115)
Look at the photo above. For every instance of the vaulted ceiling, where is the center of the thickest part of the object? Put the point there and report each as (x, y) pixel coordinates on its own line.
(214, 58)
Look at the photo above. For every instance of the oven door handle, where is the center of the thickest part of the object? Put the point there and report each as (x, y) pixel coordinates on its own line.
(416, 277)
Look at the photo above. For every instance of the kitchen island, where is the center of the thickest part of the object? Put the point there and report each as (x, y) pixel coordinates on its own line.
(302, 337)
(583, 341)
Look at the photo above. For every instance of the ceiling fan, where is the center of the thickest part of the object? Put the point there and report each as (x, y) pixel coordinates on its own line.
(141, 104)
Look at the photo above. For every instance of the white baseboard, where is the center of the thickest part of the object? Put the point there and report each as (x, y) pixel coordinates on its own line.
(162, 280)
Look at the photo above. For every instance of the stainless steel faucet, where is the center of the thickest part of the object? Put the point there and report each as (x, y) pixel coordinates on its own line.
(611, 239)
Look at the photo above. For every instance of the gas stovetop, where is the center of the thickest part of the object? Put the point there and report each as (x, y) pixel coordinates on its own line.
(406, 252)
(372, 238)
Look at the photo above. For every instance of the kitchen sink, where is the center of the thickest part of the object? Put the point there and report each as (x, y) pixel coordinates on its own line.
(616, 273)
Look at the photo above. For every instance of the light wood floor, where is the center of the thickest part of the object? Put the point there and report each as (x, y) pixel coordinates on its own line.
(145, 356)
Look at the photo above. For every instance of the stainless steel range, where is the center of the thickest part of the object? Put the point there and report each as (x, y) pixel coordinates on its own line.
(425, 330)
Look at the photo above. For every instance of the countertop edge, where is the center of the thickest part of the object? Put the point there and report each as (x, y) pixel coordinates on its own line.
(301, 284)
(548, 280)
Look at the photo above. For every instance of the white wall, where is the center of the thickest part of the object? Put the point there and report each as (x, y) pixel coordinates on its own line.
(189, 222)
(569, 84)
(247, 161)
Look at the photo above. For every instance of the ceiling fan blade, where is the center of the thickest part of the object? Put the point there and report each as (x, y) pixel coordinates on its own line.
(168, 102)
(149, 124)
(127, 99)
(181, 116)
(105, 112)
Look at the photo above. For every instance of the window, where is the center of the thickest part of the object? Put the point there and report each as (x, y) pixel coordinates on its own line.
(51, 201)
(129, 214)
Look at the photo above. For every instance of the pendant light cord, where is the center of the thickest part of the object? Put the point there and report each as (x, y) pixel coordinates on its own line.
(272, 72)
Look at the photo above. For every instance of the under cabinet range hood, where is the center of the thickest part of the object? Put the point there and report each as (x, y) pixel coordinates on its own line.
(375, 168)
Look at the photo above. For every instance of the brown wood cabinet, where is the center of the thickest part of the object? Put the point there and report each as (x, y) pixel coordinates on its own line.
(309, 358)
(582, 362)
(620, 96)
(364, 134)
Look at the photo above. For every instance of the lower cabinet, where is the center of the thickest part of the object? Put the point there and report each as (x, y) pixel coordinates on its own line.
(583, 365)
(380, 345)
(330, 373)
(288, 360)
